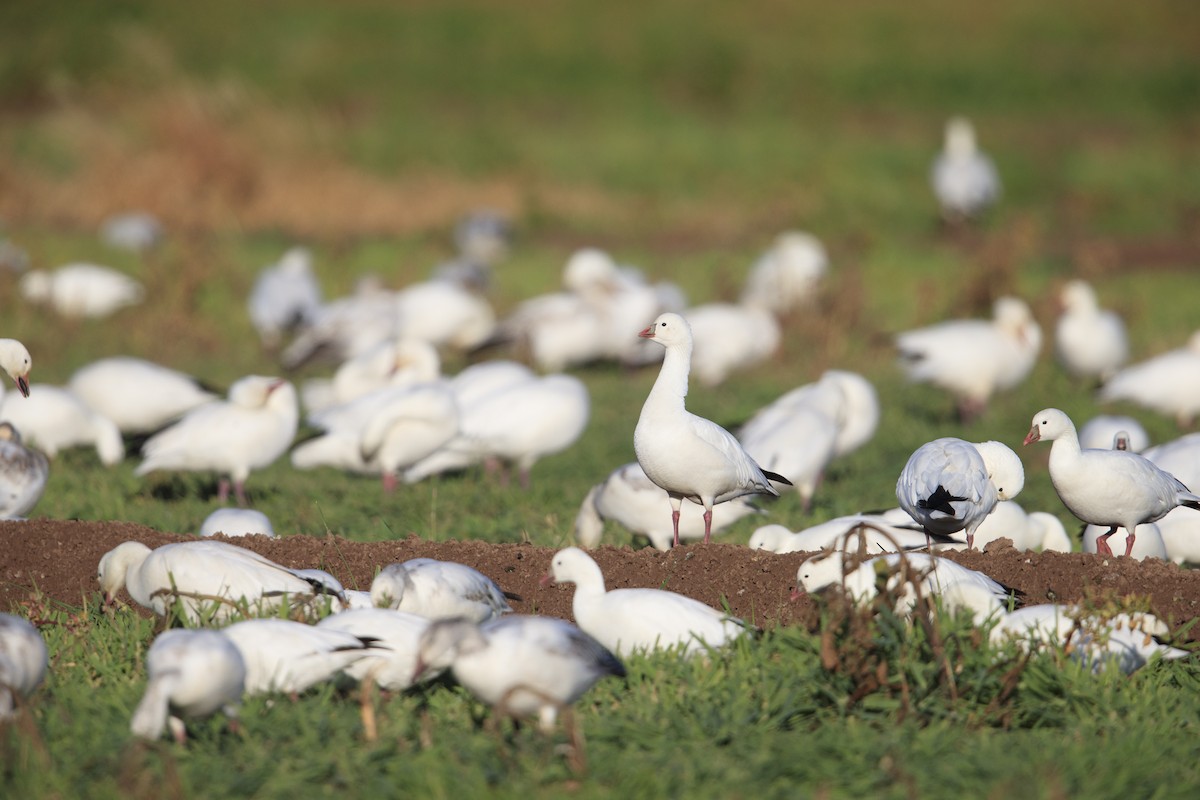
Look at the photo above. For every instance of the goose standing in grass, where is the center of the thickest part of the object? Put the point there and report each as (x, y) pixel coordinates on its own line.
(1089, 341)
(689, 457)
(23, 660)
(191, 674)
(729, 337)
(60, 420)
(963, 177)
(16, 361)
(204, 573)
(23, 474)
(395, 636)
(1113, 488)
(237, 522)
(286, 297)
(439, 590)
(246, 432)
(786, 277)
(974, 359)
(1168, 383)
(628, 620)
(520, 665)
(139, 396)
(949, 485)
(286, 657)
(81, 290)
(628, 497)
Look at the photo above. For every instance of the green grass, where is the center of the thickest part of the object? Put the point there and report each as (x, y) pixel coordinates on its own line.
(682, 138)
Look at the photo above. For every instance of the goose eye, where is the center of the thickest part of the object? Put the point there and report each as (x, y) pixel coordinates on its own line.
(664, 324)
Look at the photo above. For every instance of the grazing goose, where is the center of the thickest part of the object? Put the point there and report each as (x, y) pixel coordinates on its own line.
(23, 474)
(444, 314)
(628, 497)
(964, 179)
(949, 485)
(16, 361)
(787, 276)
(345, 327)
(1090, 342)
(973, 359)
(728, 337)
(1113, 488)
(237, 522)
(690, 457)
(391, 363)
(139, 396)
(1168, 383)
(205, 574)
(286, 297)
(395, 636)
(81, 290)
(877, 533)
(287, 657)
(59, 420)
(23, 659)
(629, 620)
(248, 431)
(439, 590)
(191, 674)
(520, 665)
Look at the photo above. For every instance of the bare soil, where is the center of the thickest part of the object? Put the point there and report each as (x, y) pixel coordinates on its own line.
(58, 559)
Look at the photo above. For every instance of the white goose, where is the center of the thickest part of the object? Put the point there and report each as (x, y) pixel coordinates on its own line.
(522, 666)
(1168, 383)
(81, 290)
(139, 396)
(629, 620)
(246, 432)
(1034, 531)
(964, 179)
(23, 659)
(973, 359)
(628, 497)
(1180, 528)
(688, 456)
(191, 674)
(16, 362)
(729, 337)
(787, 276)
(949, 485)
(395, 636)
(1090, 342)
(1114, 488)
(801, 445)
(877, 533)
(23, 474)
(285, 297)
(391, 363)
(59, 420)
(1147, 541)
(203, 573)
(1099, 433)
(439, 590)
(444, 314)
(289, 657)
(237, 522)
(137, 231)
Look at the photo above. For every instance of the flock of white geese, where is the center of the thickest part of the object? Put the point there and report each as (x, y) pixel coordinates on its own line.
(388, 410)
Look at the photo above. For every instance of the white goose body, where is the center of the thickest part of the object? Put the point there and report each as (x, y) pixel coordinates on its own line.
(1090, 342)
(81, 290)
(1168, 383)
(688, 456)
(190, 674)
(137, 395)
(933, 574)
(23, 474)
(23, 660)
(237, 522)
(728, 337)
(1035, 531)
(630, 620)
(1099, 433)
(289, 657)
(248, 431)
(60, 420)
(1113, 488)
(964, 179)
(439, 590)
(395, 636)
(949, 485)
(206, 569)
(520, 665)
(631, 499)
(877, 533)
(786, 277)
(285, 296)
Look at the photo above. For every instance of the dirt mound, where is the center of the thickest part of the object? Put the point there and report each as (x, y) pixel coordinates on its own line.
(59, 559)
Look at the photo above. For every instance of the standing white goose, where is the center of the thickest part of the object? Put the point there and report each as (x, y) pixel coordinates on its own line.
(964, 179)
(1168, 383)
(23, 474)
(203, 573)
(23, 659)
(689, 457)
(729, 337)
(626, 620)
(16, 361)
(139, 396)
(285, 297)
(519, 665)
(1113, 488)
(248, 431)
(786, 277)
(1090, 342)
(290, 657)
(973, 359)
(439, 590)
(191, 673)
(949, 485)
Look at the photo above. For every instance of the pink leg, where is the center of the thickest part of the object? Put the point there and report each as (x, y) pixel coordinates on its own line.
(389, 482)
(971, 541)
(1102, 542)
(707, 524)
(222, 491)
(1129, 543)
(239, 490)
(675, 524)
